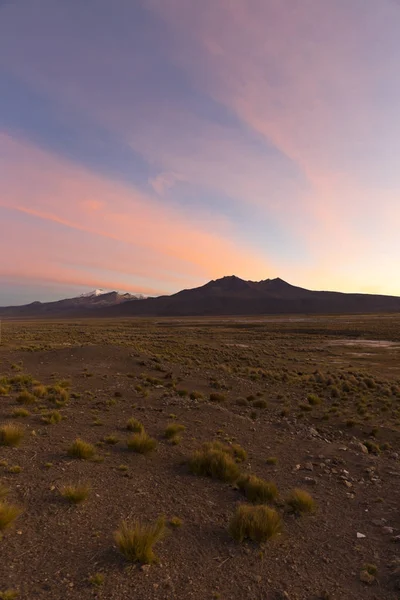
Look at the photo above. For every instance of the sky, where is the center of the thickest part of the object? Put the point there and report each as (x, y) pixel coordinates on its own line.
(152, 145)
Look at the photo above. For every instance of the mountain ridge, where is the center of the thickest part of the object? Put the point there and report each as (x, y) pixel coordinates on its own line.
(229, 295)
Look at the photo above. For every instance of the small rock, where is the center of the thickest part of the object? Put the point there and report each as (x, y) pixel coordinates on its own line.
(310, 480)
(145, 568)
(308, 466)
(396, 539)
(363, 448)
(360, 536)
(348, 484)
(387, 530)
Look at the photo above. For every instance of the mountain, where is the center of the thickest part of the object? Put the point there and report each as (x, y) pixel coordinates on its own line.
(92, 301)
(226, 296)
(234, 296)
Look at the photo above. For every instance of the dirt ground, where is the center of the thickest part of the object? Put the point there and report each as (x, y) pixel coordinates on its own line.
(311, 409)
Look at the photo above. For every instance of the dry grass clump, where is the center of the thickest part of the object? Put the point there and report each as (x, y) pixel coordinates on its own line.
(3, 491)
(9, 595)
(8, 514)
(76, 493)
(58, 395)
(136, 541)
(173, 430)
(52, 417)
(111, 439)
(195, 395)
(26, 397)
(39, 390)
(301, 502)
(134, 425)
(11, 434)
(217, 397)
(81, 449)
(4, 389)
(20, 412)
(141, 443)
(257, 523)
(257, 490)
(97, 580)
(214, 460)
(238, 452)
(176, 522)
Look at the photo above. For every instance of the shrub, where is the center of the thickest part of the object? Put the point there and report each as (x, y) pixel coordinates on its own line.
(141, 443)
(173, 429)
(134, 425)
(271, 460)
(20, 412)
(195, 395)
(176, 522)
(260, 403)
(52, 417)
(373, 447)
(111, 440)
(97, 579)
(216, 397)
(76, 493)
(58, 395)
(11, 435)
(9, 595)
(238, 452)
(39, 391)
(4, 390)
(257, 523)
(81, 449)
(313, 399)
(26, 397)
(14, 470)
(8, 514)
(3, 491)
(301, 502)
(214, 461)
(136, 541)
(257, 490)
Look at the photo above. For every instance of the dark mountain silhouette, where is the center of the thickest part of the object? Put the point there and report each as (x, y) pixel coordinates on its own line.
(92, 301)
(226, 296)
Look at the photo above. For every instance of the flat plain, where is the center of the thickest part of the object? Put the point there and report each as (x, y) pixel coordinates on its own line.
(302, 403)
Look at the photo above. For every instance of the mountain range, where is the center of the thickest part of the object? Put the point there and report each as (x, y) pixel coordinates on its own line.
(226, 296)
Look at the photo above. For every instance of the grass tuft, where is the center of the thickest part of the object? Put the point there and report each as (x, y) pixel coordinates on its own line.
(52, 417)
(81, 449)
(257, 523)
(97, 580)
(134, 425)
(301, 502)
(257, 490)
(8, 514)
(20, 412)
(136, 541)
(173, 430)
(26, 397)
(213, 460)
(76, 493)
(11, 435)
(142, 443)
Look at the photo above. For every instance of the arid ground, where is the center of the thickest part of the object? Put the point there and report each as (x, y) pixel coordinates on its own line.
(314, 403)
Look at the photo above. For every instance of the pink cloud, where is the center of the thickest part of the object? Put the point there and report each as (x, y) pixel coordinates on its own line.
(166, 244)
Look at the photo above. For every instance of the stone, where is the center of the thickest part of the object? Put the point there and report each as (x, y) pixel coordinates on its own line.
(387, 530)
(360, 536)
(363, 448)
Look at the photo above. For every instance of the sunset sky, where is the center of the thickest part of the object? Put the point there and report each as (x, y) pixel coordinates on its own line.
(149, 146)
